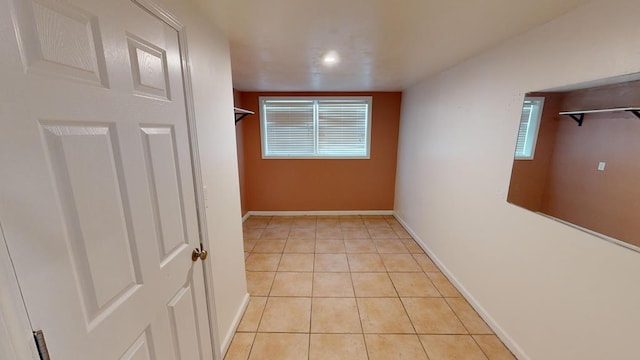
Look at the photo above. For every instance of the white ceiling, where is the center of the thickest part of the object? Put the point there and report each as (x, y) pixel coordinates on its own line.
(384, 45)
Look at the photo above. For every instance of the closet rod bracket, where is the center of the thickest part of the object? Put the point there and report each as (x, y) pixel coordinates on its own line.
(578, 118)
(241, 113)
(240, 117)
(635, 112)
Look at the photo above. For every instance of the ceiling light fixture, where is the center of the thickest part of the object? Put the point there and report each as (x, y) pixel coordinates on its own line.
(330, 58)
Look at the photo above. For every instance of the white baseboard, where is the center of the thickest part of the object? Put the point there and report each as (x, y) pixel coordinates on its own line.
(320, 213)
(484, 314)
(234, 325)
(246, 216)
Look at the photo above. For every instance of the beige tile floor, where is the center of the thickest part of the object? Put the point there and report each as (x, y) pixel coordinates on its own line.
(351, 287)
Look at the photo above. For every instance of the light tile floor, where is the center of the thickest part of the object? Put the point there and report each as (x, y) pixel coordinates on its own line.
(351, 287)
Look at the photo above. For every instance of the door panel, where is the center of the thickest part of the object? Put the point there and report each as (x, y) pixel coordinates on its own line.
(97, 199)
(141, 348)
(183, 319)
(164, 182)
(60, 38)
(149, 68)
(96, 222)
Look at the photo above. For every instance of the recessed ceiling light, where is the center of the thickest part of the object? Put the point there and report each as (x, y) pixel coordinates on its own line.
(330, 58)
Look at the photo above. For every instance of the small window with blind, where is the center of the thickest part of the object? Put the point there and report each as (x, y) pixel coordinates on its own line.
(310, 128)
(529, 125)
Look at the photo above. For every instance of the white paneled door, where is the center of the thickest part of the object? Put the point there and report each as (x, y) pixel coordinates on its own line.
(97, 197)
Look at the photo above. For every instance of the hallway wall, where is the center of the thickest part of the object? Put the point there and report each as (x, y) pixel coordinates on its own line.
(553, 292)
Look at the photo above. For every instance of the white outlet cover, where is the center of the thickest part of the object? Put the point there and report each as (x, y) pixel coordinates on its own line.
(601, 166)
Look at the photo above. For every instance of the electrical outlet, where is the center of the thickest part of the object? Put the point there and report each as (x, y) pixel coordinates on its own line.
(601, 166)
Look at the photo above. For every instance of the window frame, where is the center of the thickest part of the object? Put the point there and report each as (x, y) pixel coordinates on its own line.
(263, 145)
(535, 129)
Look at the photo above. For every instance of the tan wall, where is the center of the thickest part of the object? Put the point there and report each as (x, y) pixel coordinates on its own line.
(604, 201)
(529, 177)
(323, 184)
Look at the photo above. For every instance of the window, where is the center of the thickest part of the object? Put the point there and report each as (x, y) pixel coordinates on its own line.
(323, 127)
(529, 124)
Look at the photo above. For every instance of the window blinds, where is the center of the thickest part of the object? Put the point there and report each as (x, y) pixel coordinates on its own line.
(336, 127)
(529, 124)
(525, 121)
(342, 128)
(289, 128)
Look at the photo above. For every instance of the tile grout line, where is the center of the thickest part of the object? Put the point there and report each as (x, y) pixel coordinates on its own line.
(409, 317)
(355, 297)
(313, 276)
(456, 314)
(479, 347)
(255, 334)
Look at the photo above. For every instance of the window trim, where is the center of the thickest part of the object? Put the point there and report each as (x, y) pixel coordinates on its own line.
(262, 99)
(536, 130)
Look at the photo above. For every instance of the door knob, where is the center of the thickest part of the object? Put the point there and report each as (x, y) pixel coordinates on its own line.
(199, 254)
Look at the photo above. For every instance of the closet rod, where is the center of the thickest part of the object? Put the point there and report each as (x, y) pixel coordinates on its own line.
(578, 115)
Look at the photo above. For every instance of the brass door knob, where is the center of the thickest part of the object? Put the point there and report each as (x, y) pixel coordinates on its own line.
(199, 254)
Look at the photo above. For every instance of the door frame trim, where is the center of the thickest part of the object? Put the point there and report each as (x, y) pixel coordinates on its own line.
(16, 336)
(196, 169)
(15, 327)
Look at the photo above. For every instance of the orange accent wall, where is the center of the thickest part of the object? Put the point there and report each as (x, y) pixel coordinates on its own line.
(322, 184)
(604, 201)
(529, 177)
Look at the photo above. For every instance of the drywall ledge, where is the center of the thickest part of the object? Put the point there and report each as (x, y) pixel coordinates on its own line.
(484, 314)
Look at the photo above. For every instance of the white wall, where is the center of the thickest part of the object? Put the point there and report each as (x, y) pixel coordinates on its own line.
(552, 291)
(213, 99)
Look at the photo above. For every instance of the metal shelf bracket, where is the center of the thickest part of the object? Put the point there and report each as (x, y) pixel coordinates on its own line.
(578, 118)
(241, 113)
(635, 112)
